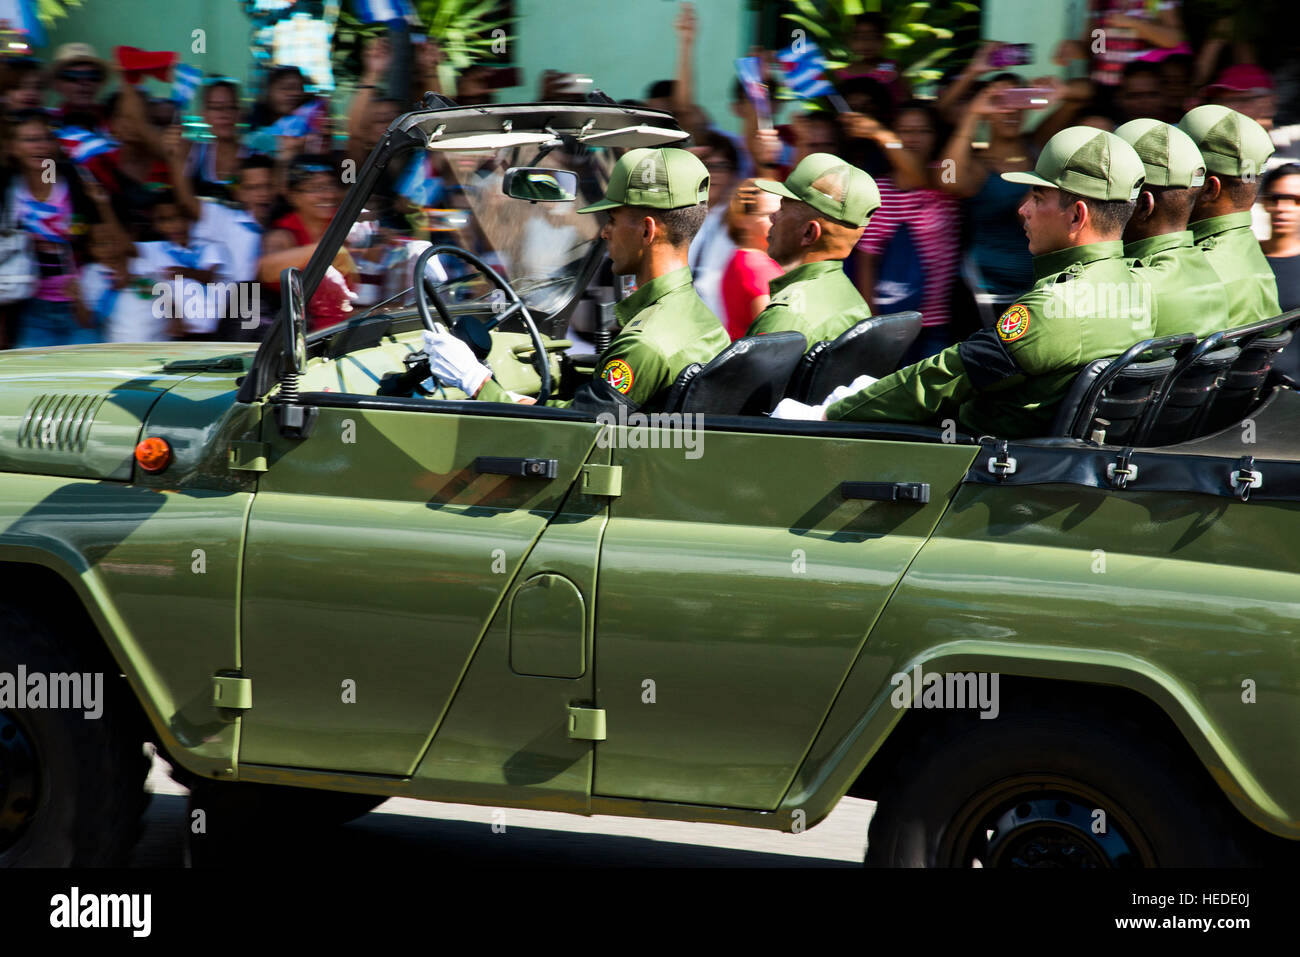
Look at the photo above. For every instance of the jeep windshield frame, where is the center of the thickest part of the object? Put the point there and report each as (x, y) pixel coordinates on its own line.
(536, 127)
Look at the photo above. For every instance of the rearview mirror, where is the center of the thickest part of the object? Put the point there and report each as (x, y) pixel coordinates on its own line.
(538, 185)
(295, 321)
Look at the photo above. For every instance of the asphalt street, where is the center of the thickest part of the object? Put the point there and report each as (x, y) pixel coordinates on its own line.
(401, 830)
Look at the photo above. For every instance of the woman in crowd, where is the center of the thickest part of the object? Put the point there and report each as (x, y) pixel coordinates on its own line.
(1280, 194)
(213, 166)
(750, 269)
(908, 256)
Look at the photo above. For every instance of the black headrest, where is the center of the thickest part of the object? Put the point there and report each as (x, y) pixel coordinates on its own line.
(871, 347)
(748, 377)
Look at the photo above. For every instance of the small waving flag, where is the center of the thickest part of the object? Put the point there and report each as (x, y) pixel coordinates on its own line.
(383, 11)
(804, 71)
(185, 80)
(301, 121)
(82, 145)
(21, 15)
(750, 71)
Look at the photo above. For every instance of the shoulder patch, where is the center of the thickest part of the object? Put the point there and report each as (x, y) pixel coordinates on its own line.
(1013, 323)
(619, 375)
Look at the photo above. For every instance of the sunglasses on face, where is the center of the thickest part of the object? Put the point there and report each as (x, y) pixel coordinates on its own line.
(1276, 199)
(81, 76)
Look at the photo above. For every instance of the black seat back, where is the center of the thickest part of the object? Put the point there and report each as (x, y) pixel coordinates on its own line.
(871, 347)
(1181, 410)
(748, 377)
(1119, 391)
(1244, 382)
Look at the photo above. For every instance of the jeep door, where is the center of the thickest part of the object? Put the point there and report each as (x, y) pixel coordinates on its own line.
(378, 551)
(737, 588)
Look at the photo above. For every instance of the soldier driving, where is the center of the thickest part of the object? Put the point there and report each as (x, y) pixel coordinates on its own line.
(825, 205)
(1236, 150)
(655, 202)
(1188, 294)
(1008, 380)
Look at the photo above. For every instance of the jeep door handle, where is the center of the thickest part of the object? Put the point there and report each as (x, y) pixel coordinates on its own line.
(917, 493)
(523, 468)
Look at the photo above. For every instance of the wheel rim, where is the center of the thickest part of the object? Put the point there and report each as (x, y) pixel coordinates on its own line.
(1043, 822)
(19, 780)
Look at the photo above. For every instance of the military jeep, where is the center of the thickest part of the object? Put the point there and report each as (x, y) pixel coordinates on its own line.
(315, 579)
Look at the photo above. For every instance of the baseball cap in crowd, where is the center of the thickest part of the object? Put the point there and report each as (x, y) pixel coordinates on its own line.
(72, 53)
(1241, 78)
(1168, 155)
(663, 178)
(1088, 162)
(1232, 143)
(831, 186)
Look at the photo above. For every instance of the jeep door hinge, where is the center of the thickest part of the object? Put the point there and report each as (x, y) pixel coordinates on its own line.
(602, 480)
(248, 456)
(586, 724)
(232, 691)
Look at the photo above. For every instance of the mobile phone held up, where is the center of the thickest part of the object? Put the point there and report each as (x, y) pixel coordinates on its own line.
(1025, 98)
(1012, 54)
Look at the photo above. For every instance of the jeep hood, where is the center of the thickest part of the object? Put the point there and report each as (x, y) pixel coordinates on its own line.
(78, 410)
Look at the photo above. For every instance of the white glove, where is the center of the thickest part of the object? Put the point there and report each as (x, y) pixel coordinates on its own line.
(844, 391)
(793, 409)
(452, 362)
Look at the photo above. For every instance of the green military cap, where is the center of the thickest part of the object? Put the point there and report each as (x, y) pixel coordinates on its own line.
(658, 178)
(1232, 143)
(1169, 155)
(1086, 161)
(831, 186)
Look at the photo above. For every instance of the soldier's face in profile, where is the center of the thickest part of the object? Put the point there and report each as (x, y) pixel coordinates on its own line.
(623, 235)
(784, 238)
(1046, 224)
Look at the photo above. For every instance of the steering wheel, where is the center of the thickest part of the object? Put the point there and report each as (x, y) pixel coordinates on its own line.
(476, 334)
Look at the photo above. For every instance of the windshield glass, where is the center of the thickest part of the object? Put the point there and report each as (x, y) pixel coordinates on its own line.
(456, 198)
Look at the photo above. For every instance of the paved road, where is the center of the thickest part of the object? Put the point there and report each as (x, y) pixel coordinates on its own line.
(402, 830)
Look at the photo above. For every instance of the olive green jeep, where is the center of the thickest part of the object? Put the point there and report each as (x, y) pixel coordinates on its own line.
(315, 579)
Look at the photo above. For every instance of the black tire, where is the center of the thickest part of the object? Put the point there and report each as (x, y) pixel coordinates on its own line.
(1035, 781)
(240, 819)
(71, 788)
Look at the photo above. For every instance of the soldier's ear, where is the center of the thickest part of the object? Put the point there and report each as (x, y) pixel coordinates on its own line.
(812, 232)
(1213, 188)
(1146, 205)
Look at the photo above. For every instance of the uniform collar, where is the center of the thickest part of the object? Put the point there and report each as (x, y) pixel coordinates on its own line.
(651, 292)
(805, 272)
(1051, 263)
(1141, 248)
(1204, 228)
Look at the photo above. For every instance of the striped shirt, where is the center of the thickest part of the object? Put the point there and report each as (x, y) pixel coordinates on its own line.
(932, 217)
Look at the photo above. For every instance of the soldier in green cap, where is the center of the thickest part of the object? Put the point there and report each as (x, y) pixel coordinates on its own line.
(1236, 149)
(1187, 294)
(655, 202)
(825, 205)
(1008, 380)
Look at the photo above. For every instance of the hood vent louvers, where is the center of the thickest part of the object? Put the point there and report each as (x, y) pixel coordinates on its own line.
(59, 422)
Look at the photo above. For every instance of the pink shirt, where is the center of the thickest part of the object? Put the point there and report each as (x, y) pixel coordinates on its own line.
(745, 278)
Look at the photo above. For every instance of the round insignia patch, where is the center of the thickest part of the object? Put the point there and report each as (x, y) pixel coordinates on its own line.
(619, 376)
(1013, 323)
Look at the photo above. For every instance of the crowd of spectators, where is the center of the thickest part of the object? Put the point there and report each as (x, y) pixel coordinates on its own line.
(135, 198)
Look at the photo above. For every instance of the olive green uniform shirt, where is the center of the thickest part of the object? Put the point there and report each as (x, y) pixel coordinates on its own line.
(816, 299)
(1187, 294)
(1007, 381)
(665, 327)
(1234, 252)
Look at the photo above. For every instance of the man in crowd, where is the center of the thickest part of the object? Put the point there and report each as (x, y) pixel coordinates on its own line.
(1188, 294)
(1236, 150)
(825, 205)
(656, 200)
(1008, 380)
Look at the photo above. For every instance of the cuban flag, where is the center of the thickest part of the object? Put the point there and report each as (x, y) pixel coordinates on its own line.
(300, 122)
(82, 145)
(21, 15)
(42, 220)
(804, 71)
(383, 11)
(750, 71)
(185, 80)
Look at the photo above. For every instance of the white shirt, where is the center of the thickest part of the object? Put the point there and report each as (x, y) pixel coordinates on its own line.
(199, 308)
(711, 250)
(235, 229)
(127, 316)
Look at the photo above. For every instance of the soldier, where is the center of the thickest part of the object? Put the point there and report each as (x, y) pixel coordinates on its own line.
(655, 202)
(825, 205)
(1008, 380)
(1188, 295)
(1236, 149)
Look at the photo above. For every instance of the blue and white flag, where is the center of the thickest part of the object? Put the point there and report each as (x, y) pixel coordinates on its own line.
(804, 74)
(185, 80)
(81, 144)
(21, 15)
(383, 11)
(750, 71)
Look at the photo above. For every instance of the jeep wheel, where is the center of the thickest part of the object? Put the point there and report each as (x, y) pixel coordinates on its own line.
(71, 787)
(241, 817)
(1048, 791)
